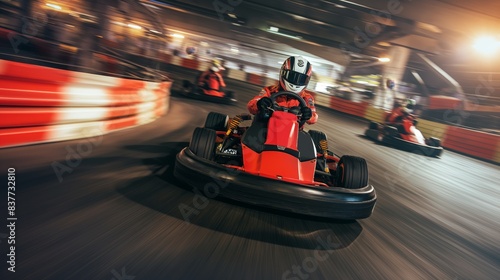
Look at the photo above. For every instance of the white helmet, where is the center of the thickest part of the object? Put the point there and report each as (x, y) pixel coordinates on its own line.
(295, 74)
(216, 65)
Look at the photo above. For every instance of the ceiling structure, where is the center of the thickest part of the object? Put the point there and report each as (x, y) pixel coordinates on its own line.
(347, 33)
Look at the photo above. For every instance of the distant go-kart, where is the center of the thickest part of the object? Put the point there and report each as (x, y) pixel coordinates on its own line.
(274, 164)
(404, 136)
(208, 93)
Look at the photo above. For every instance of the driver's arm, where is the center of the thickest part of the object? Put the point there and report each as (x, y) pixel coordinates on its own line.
(310, 103)
(221, 80)
(252, 104)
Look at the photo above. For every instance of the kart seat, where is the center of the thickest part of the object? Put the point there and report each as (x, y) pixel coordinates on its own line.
(306, 147)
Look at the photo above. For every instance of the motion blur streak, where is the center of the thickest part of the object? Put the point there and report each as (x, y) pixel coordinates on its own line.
(435, 218)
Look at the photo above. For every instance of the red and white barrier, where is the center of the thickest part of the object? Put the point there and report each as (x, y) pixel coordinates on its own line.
(42, 104)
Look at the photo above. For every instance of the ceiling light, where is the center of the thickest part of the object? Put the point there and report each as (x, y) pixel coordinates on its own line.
(232, 15)
(176, 35)
(54, 6)
(134, 26)
(274, 29)
(486, 45)
(384, 59)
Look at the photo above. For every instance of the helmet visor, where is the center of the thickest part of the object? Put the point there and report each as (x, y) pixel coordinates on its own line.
(295, 78)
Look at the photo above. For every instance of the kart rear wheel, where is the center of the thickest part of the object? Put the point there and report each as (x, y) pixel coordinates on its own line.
(317, 136)
(216, 121)
(434, 142)
(187, 86)
(203, 143)
(373, 125)
(351, 173)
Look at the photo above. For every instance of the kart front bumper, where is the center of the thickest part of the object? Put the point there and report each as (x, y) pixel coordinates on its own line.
(214, 180)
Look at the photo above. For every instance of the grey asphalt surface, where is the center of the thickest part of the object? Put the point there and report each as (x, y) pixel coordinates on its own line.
(114, 212)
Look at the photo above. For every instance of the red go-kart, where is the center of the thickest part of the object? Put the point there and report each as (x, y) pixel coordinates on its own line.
(209, 92)
(273, 163)
(404, 135)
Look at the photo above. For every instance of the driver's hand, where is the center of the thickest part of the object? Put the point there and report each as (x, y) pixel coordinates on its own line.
(306, 113)
(264, 103)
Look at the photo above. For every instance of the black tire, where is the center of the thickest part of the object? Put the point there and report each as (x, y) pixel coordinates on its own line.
(216, 121)
(434, 142)
(186, 83)
(187, 86)
(202, 143)
(351, 173)
(317, 136)
(373, 125)
(229, 94)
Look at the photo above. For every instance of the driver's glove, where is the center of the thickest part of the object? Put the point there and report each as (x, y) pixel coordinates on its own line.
(264, 103)
(306, 113)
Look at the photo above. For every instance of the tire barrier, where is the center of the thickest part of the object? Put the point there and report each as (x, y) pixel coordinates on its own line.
(42, 104)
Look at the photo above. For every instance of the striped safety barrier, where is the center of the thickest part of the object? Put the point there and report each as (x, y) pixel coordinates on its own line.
(42, 104)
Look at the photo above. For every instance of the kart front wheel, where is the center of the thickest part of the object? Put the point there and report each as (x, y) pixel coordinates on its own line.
(351, 173)
(202, 142)
(216, 121)
(373, 125)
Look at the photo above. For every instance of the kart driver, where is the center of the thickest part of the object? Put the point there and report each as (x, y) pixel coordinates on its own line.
(294, 76)
(399, 113)
(211, 79)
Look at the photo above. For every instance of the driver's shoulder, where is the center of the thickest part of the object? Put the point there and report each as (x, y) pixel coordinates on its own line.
(272, 89)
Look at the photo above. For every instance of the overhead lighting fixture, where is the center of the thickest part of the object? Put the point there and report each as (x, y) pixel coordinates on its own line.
(54, 6)
(176, 35)
(204, 44)
(384, 59)
(274, 29)
(134, 26)
(486, 45)
(154, 31)
(235, 50)
(232, 15)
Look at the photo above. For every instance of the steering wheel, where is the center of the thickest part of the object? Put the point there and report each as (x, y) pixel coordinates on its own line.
(302, 103)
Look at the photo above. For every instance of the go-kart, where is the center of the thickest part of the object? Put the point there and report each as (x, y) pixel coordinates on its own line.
(274, 164)
(405, 136)
(210, 92)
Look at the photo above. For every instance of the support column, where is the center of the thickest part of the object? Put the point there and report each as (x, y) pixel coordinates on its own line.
(392, 70)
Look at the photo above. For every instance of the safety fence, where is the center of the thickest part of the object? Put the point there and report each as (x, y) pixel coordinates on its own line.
(41, 104)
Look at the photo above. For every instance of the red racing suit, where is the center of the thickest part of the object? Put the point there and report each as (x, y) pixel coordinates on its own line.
(211, 80)
(284, 101)
(396, 116)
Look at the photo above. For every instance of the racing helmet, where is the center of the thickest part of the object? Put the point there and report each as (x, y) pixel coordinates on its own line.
(216, 65)
(295, 74)
(410, 104)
